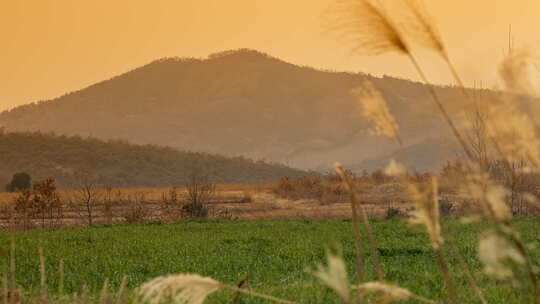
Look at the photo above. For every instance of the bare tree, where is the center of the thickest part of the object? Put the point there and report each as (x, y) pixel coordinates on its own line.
(87, 195)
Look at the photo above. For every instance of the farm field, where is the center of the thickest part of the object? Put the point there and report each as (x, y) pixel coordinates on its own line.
(274, 255)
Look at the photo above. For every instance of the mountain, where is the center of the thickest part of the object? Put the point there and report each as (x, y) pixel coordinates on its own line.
(240, 102)
(120, 164)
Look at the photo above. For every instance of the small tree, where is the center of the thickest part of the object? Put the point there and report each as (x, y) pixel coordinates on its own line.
(47, 204)
(87, 195)
(19, 181)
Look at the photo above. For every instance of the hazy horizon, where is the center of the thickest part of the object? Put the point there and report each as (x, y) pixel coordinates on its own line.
(51, 49)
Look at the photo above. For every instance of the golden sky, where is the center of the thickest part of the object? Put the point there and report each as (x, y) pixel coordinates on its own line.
(51, 47)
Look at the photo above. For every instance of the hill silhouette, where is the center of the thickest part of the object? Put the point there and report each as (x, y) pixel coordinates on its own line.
(240, 102)
(120, 164)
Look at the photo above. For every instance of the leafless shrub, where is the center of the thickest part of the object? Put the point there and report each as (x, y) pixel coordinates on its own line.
(170, 205)
(199, 194)
(135, 209)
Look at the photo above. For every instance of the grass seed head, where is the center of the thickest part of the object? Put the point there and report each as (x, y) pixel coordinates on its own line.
(181, 288)
(390, 292)
(334, 275)
(496, 252)
(395, 168)
(375, 109)
(516, 71)
(367, 26)
(489, 194)
(427, 211)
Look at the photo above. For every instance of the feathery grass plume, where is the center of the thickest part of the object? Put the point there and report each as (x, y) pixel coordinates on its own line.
(190, 289)
(395, 169)
(427, 211)
(366, 25)
(427, 214)
(374, 32)
(489, 194)
(334, 275)
(515, 72)
(496, 252)
(514, 132)
(375, 109)
(183, 288)
(391, 292)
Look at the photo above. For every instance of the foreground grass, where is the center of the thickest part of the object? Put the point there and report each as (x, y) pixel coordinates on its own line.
(273, 253)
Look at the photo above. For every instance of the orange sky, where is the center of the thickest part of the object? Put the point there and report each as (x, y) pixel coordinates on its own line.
(51, 47)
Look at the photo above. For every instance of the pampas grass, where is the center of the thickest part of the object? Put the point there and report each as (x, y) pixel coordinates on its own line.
(365, 24)
(495, 252)
(184, 288)
(334, 275)
(190, 289)
(391, 293)
(375, 109)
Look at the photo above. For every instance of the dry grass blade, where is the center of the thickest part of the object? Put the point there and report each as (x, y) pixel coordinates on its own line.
(334, 275)
(61, 277)
(427, 214)
(391, 292)
(356, 226)
(121, 291)
(367, 26)
(182, 288)
(42, 272)
(375, 109)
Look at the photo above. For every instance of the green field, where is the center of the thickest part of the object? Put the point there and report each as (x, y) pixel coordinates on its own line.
(274, 253)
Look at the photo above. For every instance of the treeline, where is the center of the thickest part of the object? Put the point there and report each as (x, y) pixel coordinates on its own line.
(121, 164)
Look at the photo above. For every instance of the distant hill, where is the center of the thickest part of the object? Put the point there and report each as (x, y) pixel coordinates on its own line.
(240, 103)
(120, 164)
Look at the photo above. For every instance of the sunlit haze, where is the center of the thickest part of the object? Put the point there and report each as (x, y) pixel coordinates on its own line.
(51, 47)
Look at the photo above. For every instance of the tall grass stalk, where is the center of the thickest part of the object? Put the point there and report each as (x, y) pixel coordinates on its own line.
(61, 277)
(43, 278)
(371, 239)
(12, 266)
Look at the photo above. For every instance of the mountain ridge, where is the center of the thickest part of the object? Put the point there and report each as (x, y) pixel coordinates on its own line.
(239, 102)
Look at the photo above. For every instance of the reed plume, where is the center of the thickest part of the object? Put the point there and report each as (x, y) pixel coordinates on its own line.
(391, 293)
(515, 72)
(395, 169)
(374, 32)
(365, 24)
(375, 109)
(334, 275)
(190, 289)
(186, 289)
(427, 211)
(496, 252)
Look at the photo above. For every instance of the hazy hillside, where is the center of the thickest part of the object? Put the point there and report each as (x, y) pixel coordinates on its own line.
(239, 103)
(119, 164)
